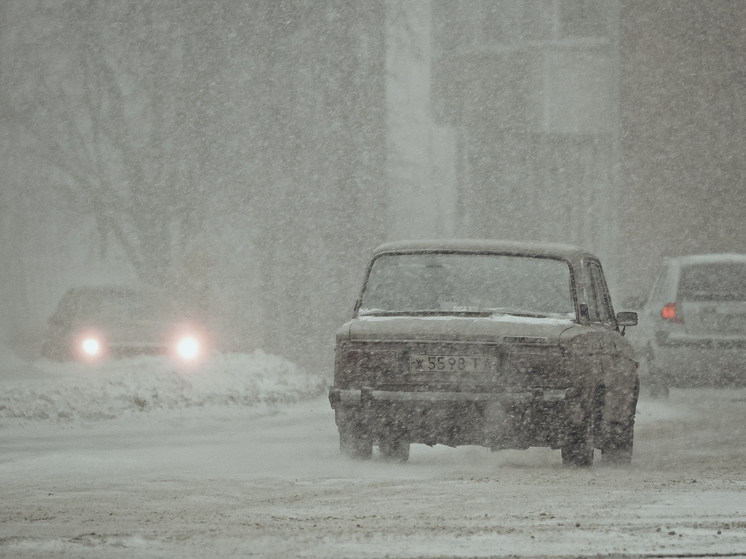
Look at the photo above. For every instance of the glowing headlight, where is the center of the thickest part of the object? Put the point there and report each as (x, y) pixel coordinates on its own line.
(91, 346)
(188, 348)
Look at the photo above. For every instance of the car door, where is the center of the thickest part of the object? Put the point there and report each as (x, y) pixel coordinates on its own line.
(603, 348)
(616, 355)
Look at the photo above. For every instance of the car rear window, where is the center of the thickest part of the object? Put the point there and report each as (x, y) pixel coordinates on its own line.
(457, 282)
(713, 282)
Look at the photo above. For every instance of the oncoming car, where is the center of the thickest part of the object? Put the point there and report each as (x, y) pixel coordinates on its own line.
(693, 326)
(91, 324)
(497, 344)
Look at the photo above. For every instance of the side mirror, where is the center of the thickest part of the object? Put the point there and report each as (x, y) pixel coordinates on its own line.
(626, 319)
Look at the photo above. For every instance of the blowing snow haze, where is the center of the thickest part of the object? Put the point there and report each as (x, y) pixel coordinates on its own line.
(251, 155)
(243, 160)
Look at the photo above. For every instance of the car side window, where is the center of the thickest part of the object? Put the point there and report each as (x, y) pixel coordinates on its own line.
(605, 296)
(592, 299)
(593, 310)
(601, 301)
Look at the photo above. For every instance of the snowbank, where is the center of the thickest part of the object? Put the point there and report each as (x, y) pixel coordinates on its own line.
(62, 392)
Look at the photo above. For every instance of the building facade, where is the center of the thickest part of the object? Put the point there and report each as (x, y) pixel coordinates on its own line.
(530, 90)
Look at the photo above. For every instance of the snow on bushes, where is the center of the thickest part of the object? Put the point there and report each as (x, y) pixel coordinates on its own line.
(70, 391)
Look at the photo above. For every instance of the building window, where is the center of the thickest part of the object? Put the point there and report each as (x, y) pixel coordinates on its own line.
(500, 21)
(583, 18)
(508, 21)
(538, 19)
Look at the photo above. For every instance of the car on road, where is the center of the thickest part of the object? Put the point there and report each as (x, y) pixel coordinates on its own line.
(692, 329)
(103, 322)
(492, 343)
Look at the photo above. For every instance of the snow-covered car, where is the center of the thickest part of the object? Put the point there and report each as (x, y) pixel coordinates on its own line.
(476, 342)
(95, 323)
(693, 324)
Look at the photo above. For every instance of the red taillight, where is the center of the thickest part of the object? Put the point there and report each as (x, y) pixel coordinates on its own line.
(669, 313)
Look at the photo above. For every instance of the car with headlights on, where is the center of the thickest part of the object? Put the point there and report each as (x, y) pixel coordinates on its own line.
(95, 323)
(693, 324)
(506, 345)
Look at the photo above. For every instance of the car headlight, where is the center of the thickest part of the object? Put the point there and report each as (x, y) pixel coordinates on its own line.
(91, 347)
(188, 348)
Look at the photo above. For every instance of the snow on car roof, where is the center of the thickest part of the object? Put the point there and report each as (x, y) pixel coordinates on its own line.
(561, 250)
(709, 258)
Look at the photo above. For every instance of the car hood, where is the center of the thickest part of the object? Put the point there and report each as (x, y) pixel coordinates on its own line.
(496, 328)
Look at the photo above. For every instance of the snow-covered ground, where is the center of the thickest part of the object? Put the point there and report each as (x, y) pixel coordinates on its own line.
(239, 457)
(69, 392)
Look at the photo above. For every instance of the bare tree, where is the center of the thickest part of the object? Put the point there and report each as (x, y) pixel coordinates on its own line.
(99, 92)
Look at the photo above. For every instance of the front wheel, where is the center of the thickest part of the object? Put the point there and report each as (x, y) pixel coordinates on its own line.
(619, 436)
(619, 453)
(394, 450)
(619, 439)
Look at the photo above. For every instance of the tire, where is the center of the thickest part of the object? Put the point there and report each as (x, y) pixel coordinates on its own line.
(619, 442)
(394, 450)
(619, 437)
(577, 451)
(354, 444)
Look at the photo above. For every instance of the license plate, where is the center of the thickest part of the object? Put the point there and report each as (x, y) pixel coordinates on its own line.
(453, 364)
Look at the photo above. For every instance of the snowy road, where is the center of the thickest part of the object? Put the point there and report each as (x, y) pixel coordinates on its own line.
(266, 480)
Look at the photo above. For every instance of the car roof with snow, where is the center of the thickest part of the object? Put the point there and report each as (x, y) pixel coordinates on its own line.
(528, 248)
(712, 258)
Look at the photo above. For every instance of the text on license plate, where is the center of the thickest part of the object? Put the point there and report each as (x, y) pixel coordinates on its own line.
(453, 363)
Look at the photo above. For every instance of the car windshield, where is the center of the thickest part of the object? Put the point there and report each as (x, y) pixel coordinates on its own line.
(452, 283)
(714, 282)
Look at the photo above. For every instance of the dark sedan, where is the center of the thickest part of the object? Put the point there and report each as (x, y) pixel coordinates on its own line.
(498, 344)
(95, 323)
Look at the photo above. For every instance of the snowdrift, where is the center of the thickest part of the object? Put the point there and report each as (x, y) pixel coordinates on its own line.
(62, 392)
